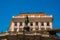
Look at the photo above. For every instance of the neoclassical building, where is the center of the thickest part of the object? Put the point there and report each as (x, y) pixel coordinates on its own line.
(37, 21)
(39, 25)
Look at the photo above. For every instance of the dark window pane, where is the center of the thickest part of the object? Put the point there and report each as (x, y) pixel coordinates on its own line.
(15, 30)
(42, 23)
(31, 23)
(47, 23)
(15, 23)
(20, 30)
(42, 29)
(36, 23)
(20, 23)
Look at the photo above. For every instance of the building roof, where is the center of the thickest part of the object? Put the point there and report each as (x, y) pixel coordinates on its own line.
(33, 14)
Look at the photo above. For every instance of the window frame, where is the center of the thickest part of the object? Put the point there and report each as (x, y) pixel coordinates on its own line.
(31, 23)
(48, 23)
(15, 30)
(36, 23)
(42, 23)
(15, 23)
(20, 23)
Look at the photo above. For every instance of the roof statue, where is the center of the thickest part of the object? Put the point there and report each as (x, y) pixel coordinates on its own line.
(26, 20)
(26, 23)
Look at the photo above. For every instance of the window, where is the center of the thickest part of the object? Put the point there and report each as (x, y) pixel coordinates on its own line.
(15, 23)
(37, 28)
(48, 28)
(47, 23)
(36, 23)
(42, 23)
(31, 23)
(20, 30)
(20, 23)
(42, 28)
(15, 30)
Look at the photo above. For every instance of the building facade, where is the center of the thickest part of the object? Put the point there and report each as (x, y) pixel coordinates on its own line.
(39, 24)
(37, 21)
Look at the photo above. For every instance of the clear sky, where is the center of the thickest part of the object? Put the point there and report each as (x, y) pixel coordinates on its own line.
(9, 8)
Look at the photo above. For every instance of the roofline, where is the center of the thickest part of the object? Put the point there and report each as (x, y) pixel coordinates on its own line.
(32, 13)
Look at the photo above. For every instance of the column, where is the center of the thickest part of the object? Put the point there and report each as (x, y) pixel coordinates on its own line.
(51, 25)
(23, 25)
(45, 25)
(18, 26)
(39, 25)
(29, 24)
(12, 26)
(33, 25)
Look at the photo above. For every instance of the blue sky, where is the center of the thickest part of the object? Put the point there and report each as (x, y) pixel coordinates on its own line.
(9, 8)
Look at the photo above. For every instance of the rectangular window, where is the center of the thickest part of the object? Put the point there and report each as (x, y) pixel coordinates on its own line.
(37, 28)
(31, 23)
(15, 23)
(36, 23)
(48, 24)
(42, 28)
(48, 28)
(20, 30)
(15, 30)
(20, 23)
(42, 23)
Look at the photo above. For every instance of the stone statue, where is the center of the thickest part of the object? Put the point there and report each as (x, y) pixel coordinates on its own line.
(26, 20)
(26, 24)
